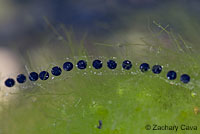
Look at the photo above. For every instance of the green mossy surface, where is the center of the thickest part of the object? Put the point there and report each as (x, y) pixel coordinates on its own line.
(125, 102)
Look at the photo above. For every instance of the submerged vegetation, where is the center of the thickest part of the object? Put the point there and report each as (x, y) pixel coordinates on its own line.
(109, 101)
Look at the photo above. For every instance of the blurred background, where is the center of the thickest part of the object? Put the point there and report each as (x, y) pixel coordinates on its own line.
(22, 22)
(27, 26)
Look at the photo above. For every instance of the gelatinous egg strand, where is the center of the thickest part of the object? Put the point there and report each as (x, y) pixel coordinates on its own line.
(97, 64)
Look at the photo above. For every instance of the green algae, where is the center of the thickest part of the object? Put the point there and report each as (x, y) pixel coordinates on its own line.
(125, 101)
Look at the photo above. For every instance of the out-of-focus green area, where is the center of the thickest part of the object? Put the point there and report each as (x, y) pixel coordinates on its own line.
(124, 103)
